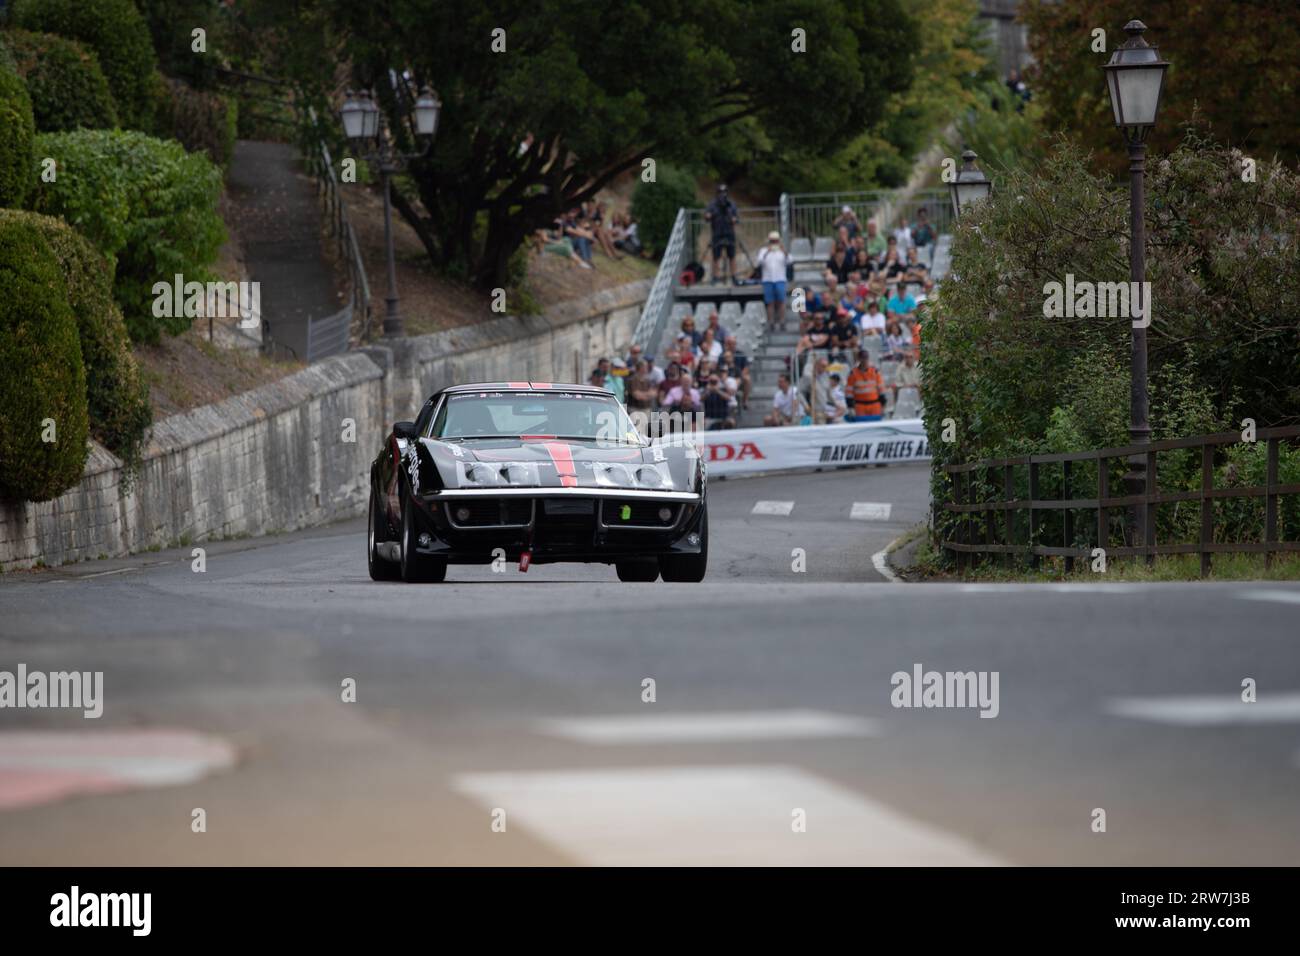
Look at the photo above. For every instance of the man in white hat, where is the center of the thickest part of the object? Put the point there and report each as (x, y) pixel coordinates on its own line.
(774, 262)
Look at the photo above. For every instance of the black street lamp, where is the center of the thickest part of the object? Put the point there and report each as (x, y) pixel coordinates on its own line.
(1135, 78)
(363, 123)
(971, 185)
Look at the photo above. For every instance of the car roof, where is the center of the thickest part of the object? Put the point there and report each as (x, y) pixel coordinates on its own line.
(525, 387)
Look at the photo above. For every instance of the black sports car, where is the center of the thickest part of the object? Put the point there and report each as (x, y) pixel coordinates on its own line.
(535, 473)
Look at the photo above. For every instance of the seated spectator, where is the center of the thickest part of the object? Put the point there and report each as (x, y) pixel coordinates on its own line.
(892, 268)
(616, 378)
(633, 355)
(683, 397)
(872, 321)
(640, 392)
(815, 338)
(897, 343)
(625, 233)
(842, 336)
(840, 263)
(847, 220)
(860, 258)
(833, 291)
(916, 269)
(717, 405)
(579, 235)
(901, 302)
(738, 361)
(903, 237)
(710, 347)
(719, 330)
(787, 405)
(866, 391)
(836, 408)
(656, 373)
(927, 290)
(672, 378)
(876, 245)
(593, 216)
(597, 378)
(688, 328)
(556, 242)
(907, 375)
(686, 351)
(702, 372)
(815, 303)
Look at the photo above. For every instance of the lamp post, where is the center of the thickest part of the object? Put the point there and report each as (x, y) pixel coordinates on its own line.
(971, 185)
(1135, 78)
(364, 126)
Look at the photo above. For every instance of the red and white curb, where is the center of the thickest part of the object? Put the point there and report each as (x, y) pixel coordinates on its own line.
(42, 766)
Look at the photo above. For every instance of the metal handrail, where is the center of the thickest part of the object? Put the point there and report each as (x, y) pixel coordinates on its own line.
(654, 314)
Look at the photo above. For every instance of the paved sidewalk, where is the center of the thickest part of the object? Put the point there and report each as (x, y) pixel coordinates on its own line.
(279, 223)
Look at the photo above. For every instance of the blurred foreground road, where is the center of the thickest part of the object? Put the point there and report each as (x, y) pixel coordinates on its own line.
(518, 697)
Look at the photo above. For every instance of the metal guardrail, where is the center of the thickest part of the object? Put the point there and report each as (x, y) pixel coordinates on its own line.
(977, 514)
(654, 314)
(812, 215)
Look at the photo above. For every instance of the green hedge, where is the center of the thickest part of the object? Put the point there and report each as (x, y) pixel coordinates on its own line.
(41, 373)
(116, 396)
(202, 121)
(67, 87)
(120, 38)
(17, 130)
(143, 202)
(655, 205)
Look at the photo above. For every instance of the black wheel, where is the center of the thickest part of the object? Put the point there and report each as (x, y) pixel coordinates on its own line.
(381, 569)
(637, 570)
(688, 568)
(417, 568)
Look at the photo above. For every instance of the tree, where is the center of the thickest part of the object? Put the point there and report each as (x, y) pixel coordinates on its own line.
(1235, 64)
(583, 93)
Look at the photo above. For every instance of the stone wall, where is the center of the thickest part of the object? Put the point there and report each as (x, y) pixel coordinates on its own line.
(296, 453)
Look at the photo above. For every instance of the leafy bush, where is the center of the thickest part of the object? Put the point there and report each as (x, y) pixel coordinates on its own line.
(67, 87)
(17, 130)
(655, 205)
(202, 121)
(171, 23)
(116, 396)
(143, 202)
(117, 33)
(42, 380)
(1224, 343)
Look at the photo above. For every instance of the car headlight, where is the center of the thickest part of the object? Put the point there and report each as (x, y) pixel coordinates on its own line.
(653, 476)
(613, 475)
(478, 473)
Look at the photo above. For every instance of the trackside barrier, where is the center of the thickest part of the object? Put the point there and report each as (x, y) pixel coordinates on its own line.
(737, 451)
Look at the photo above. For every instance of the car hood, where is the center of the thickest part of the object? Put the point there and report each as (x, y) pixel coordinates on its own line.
(558, 463)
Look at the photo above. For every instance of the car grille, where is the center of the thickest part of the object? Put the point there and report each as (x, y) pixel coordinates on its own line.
(566, 523)
(637, 513)
(490, 512)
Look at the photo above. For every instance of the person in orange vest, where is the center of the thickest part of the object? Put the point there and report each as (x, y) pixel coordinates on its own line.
(865, 391)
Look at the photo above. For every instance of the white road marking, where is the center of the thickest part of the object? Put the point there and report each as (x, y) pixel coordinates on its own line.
(708, 727)
(880, 561)
(1282, 597)
(1210, 710)
(870, 511)
(713, 816)
(782, 508)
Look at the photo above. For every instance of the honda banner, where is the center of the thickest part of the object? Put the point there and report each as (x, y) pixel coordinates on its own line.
(742, 450)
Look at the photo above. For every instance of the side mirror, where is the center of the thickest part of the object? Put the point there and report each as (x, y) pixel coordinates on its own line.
(405, 430)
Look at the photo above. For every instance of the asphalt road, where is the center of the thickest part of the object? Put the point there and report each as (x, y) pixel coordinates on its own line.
(499, 718)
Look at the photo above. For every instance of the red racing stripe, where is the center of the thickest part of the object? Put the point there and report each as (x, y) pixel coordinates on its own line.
(562, 456)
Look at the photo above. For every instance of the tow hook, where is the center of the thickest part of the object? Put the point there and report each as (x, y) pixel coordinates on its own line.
(525, 559)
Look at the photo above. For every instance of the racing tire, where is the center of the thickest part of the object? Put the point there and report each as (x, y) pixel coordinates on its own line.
(637, 570)
(417, 568)
(688, 568)
(381, 569)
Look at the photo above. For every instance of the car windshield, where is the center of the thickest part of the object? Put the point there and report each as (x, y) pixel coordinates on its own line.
(570, 415)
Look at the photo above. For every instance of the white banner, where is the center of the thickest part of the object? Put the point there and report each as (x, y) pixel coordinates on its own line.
(739, 450)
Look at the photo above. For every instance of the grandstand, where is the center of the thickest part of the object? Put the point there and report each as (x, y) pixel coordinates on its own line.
(805, 222)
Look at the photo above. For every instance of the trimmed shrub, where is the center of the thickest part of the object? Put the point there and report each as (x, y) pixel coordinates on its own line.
(67, 87)
(146, 204)
(117, 398)
(17, 130)
(200, 120)
(655, 205)
(117, 33)
(171, 23)
(42, 380)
